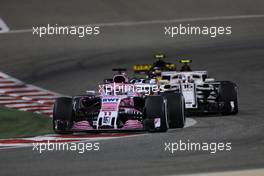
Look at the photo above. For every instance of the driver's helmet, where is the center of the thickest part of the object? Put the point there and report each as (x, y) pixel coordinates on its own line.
(159, 61)
(120, 79)
(156, 71)
(185, 67)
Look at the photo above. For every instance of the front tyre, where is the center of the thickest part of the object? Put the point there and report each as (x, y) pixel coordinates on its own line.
(62, 115)
(176, 109)
(228, 97)
(156, 114)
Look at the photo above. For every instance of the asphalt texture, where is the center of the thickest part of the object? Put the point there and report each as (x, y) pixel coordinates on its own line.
(70, 65)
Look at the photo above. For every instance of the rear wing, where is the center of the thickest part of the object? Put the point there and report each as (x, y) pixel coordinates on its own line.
(144, 68)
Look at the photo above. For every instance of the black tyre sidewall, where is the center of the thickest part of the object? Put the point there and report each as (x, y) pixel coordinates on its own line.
(228, 93)
(62, 111)
(176, 109)
(155, 107)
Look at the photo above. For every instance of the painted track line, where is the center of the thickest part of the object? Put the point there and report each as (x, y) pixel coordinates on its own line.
(3, 26)
(252, 172)
(190, 122)
(137, 23)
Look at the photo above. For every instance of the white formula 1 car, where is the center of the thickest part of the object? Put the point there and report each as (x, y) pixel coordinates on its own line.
(202, 94)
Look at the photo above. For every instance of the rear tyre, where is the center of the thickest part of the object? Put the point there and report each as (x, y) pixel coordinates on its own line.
(228, 96)
(62, 115)
(176, 109)
(156, 114)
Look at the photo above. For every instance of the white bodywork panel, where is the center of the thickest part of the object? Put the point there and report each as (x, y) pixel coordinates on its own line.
(109, 111)
(189, 92)
(187, 82)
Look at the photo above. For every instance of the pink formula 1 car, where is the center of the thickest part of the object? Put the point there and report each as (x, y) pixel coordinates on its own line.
(119, 110)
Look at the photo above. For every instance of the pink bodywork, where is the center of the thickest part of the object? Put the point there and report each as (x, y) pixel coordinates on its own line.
(82, 125)
(126, 104)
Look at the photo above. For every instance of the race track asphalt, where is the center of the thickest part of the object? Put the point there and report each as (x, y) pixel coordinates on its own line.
(70, 65)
